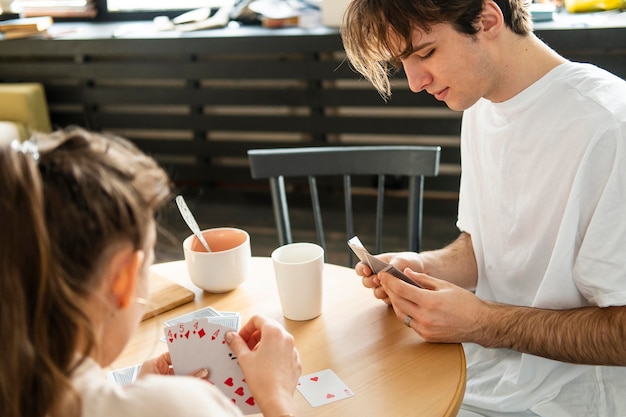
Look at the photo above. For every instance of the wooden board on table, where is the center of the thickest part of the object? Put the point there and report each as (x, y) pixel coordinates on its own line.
(165, 295)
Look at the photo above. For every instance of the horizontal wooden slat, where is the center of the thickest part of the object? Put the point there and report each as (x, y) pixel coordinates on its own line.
(304, 96)
(196, 70)
(313, 124)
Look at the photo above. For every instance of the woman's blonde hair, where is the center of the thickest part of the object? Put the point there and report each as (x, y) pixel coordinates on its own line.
(66, 198)
(371, 28)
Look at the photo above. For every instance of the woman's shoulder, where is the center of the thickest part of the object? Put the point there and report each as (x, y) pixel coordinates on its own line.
(178, 395)
(151, 395)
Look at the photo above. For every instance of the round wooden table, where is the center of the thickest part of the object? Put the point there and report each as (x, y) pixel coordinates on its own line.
(391, 370)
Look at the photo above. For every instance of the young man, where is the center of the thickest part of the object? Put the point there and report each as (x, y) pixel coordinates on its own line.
(541, 209)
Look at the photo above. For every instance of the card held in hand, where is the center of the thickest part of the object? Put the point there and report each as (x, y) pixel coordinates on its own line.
(323, 387)
(229, 319)
(199, 344)
(375, 264)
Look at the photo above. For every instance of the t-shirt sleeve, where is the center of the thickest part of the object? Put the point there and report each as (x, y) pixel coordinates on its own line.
(466, 187)
(600, 266)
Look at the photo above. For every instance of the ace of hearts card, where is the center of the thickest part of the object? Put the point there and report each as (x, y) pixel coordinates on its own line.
(199, 344)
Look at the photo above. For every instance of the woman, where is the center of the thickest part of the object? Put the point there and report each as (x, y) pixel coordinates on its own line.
(77, 236)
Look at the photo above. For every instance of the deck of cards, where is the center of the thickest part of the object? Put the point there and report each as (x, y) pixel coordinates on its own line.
(375, 264)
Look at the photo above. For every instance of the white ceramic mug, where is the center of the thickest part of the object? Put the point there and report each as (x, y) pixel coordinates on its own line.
(226, 266)
(298, 268)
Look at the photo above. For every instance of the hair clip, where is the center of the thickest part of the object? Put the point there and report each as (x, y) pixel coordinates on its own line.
(26, 147)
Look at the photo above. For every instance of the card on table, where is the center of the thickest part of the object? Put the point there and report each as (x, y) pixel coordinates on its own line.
(323, 387)
(200, 344)
(375, 264)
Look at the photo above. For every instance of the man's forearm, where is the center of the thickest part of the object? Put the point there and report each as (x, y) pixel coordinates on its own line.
(454, 263)
(590, 335)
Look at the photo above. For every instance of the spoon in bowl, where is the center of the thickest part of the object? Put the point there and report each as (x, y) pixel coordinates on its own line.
(191, 221)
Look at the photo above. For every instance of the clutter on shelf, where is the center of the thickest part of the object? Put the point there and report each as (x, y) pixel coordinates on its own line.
(268, 13)
(25, 27)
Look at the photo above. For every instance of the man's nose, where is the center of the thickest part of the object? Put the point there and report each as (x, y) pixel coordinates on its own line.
(417, 76)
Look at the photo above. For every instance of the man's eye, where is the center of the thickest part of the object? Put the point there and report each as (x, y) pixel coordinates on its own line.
(428, 55)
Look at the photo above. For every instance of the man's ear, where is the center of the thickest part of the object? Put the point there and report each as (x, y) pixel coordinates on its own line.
(125, 267)
(491, 20)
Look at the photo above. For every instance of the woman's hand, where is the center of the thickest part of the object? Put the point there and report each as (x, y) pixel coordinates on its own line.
(270, 363)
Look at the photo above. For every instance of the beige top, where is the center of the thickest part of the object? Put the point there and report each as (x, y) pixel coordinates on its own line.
(151, 396)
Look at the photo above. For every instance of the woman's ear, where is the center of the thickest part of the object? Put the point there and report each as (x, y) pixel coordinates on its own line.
(125, 267)
(491, 20)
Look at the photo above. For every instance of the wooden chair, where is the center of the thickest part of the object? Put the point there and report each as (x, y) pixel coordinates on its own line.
(414, 162)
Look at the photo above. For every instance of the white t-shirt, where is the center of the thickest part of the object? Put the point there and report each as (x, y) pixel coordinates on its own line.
(543, 196)
(148, 396)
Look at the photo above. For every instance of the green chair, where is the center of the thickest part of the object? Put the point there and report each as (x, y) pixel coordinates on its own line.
(414, 162)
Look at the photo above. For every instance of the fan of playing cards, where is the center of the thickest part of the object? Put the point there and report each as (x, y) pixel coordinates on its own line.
(200, 344)
(195, 341)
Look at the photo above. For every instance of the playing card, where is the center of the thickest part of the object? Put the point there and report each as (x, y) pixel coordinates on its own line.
(375, 264)
(228, 313)
(203, 312)
(232, 321)
(228, 319)
(200, 344)
(323, 387)
(124, 376)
